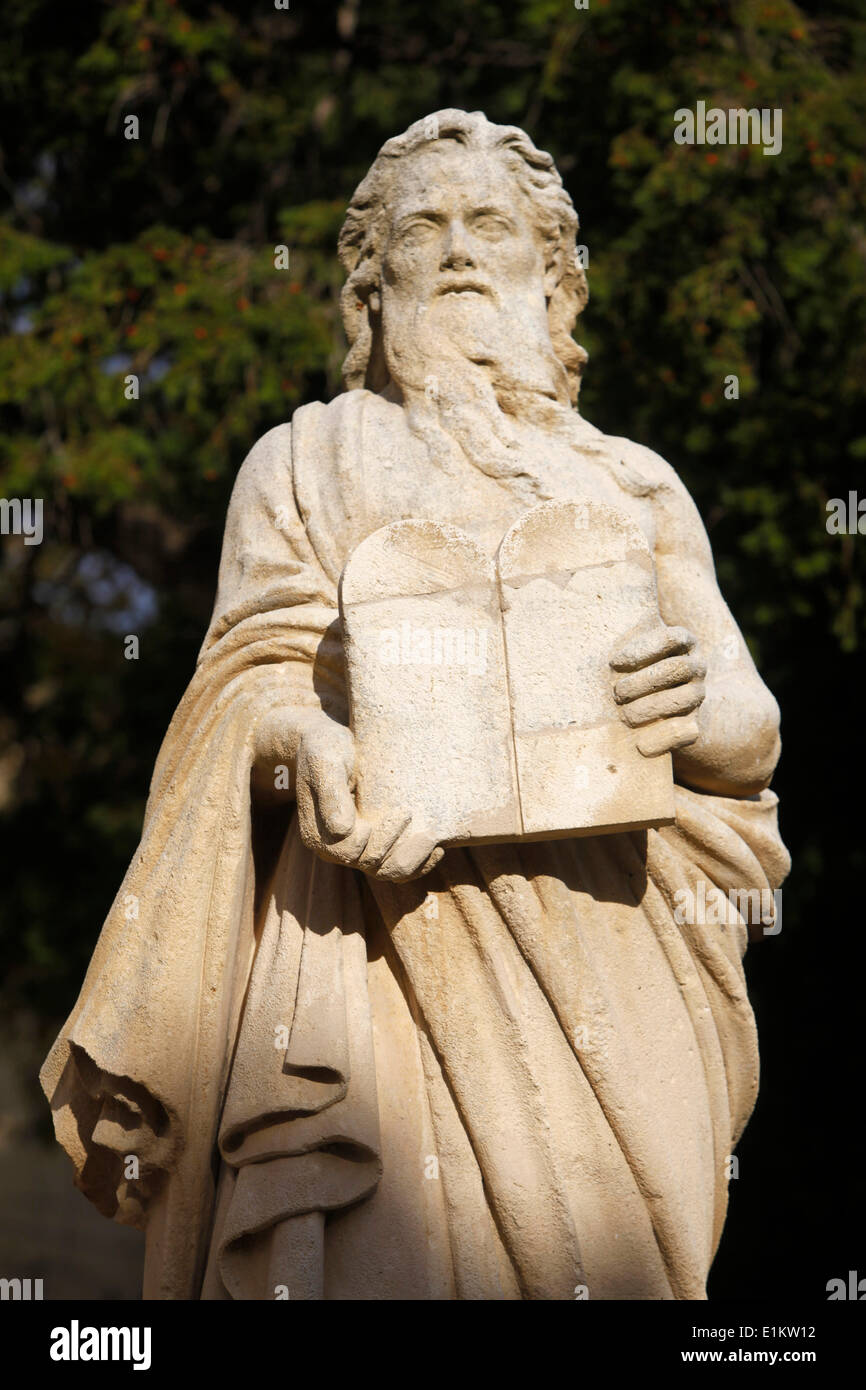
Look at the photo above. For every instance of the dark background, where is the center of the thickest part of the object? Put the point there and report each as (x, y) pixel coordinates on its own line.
(156, 257)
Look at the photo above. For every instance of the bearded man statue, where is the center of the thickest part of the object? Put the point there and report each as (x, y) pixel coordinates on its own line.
(318, 1055)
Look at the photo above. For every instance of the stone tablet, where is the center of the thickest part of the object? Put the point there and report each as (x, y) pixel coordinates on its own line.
(427, 682)
(575, 580)
(481, 694)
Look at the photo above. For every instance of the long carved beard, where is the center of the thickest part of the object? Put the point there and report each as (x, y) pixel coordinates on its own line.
(466, 384)
(466, 392)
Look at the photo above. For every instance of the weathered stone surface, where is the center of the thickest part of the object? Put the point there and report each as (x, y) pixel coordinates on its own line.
(576, 579)
(481, 694)
(427, 682)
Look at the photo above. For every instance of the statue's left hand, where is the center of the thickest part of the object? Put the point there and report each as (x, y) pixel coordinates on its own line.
(664, 687)
(321, 754)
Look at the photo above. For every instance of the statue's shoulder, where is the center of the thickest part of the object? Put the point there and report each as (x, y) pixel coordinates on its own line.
(313, 431)
(345, 411)
(643, 470)
(638, 458)
(268, 461)
(644, 473)
(333, 429)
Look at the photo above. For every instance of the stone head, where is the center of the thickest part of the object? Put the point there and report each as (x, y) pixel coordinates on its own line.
(463, 229)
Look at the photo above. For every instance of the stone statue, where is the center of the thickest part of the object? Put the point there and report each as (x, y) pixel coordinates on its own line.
(319, 1054)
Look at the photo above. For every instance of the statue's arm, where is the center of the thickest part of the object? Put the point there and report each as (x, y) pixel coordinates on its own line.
(274, 595)
(738, 745)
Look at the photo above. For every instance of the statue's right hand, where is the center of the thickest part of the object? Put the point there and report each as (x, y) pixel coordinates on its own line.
(390, 847)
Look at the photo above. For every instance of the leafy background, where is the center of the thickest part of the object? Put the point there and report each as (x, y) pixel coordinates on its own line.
(155, 257)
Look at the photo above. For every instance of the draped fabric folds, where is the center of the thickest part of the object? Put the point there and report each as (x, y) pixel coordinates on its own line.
(518, 1077)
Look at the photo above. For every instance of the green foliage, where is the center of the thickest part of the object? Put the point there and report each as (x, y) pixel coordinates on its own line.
(156, 258)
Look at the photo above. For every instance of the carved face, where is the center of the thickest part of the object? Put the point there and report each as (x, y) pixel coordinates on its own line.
(463, 251)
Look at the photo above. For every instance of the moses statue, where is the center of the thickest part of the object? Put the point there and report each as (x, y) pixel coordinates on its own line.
(321, 1054)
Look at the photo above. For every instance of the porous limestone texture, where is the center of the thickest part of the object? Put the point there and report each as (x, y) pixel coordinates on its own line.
(481, 695)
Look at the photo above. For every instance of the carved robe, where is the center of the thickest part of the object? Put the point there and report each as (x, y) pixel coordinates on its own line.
(517, 1077)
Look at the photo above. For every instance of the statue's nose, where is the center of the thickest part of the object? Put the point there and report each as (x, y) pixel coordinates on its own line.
(456, 253)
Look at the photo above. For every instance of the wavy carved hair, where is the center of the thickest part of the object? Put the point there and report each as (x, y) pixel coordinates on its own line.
(363, 233)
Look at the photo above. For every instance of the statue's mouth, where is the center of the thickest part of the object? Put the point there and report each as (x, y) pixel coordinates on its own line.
(463, 287)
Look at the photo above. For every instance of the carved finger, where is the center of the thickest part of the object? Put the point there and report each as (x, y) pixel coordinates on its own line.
(383, 838)
(662, 675)
(350, 850)
(667, 735)
(430, 862)
(333, 799)
(307, 817)
(651, 644)
(665, 704)
(314, 835)
(408, 856)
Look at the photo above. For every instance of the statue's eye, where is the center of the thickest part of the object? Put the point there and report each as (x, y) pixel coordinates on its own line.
(418, 228)
(491, 224)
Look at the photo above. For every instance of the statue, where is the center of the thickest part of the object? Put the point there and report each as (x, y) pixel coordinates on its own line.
(318, 1053)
